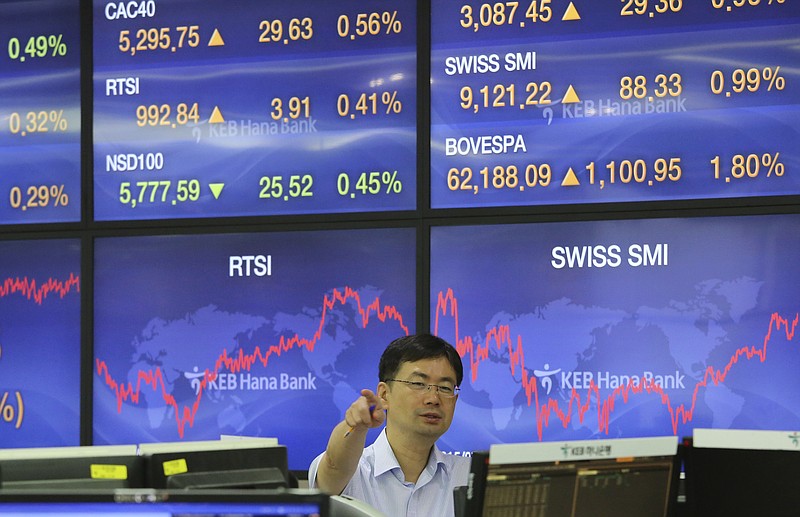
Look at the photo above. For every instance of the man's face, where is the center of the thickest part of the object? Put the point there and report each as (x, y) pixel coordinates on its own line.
(422, 412)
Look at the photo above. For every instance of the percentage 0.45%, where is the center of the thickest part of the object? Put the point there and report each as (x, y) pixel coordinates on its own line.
(749, 166)
(368, 24)
(34, 122)
(10, 414)
(37, 47)
(38, 196)
(369, 183)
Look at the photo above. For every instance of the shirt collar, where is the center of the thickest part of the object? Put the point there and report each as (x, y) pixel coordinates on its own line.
(385, 460)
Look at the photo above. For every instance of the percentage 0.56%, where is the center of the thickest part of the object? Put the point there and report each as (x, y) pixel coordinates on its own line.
(44, 46)
(361, 25)
(10, 414)
(37, 196)
(37, 122)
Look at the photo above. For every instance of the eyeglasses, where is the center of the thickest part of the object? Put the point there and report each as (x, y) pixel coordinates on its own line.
(444, 391)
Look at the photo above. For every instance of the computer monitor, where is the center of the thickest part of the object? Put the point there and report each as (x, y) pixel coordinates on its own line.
(632, 477)
(236, 464)
(75, 468)
(739, 472)
(283, 352)
(153, 503)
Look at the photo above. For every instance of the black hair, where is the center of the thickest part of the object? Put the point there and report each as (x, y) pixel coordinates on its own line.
(416, 347)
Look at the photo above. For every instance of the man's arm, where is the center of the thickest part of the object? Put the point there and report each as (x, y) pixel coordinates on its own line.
(347, 441)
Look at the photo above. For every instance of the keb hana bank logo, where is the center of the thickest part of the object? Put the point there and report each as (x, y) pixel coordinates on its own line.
(604, 379)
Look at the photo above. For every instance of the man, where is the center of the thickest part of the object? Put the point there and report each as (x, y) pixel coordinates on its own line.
(402, 473)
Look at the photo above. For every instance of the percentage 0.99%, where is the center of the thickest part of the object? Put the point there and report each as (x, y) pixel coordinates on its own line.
(750, 80)
(44, 46)
(10, 414)
(38, 196)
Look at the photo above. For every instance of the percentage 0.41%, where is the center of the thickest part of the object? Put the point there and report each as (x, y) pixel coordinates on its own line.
(10, 414)
(749, 166)
(33, 122)
(369, 104)
(38, 196)
(369, 184)
(37, 47)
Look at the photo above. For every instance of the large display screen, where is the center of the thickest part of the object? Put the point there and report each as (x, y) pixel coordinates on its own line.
(257, 334)
(546, 102)
(40, 343)
(619, 329)
(268, 108)
(40, 119)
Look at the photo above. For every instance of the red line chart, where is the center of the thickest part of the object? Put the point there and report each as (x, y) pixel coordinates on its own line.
(579, 402)
(154, 378)
(32, 290)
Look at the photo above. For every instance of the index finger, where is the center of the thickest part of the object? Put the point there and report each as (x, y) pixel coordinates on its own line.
(373, 401)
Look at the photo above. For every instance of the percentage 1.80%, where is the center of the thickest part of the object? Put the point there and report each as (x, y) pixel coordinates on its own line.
(749, 166)
(38, 196)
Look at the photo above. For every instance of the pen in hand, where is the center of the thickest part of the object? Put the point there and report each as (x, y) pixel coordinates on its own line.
(352, 427)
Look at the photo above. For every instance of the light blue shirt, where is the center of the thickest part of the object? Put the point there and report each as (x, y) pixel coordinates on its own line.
(379, 482)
